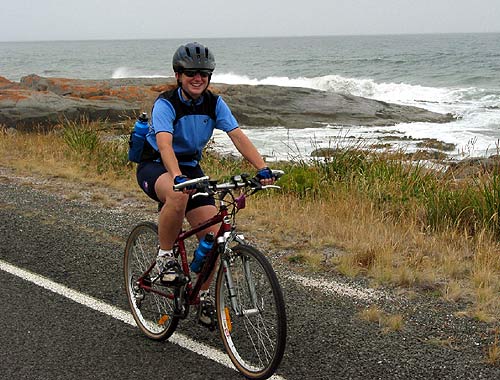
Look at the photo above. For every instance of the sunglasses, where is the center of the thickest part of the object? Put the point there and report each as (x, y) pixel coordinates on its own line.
(192, 73)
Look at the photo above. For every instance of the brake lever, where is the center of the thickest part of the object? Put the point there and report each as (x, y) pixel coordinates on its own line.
(255, 185)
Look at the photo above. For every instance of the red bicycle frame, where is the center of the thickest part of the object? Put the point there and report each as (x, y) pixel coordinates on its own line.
(211, 258)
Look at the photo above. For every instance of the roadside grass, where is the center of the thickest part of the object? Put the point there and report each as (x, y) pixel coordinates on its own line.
(493, 349)
(76, 152)
(353, 211)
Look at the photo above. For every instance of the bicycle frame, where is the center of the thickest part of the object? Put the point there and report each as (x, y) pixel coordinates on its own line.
(192, 290)
(212, 256)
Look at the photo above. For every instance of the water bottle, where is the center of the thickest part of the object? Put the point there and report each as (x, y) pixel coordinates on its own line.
(201, 252)
(141, 125)
(138, 137)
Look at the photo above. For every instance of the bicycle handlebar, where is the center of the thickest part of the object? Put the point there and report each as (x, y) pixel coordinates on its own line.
(238, 181)
(190, 182)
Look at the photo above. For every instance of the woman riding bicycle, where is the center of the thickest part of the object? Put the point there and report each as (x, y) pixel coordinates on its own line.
(183, 121)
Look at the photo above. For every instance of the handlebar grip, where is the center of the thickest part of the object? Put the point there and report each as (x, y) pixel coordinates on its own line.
(199, 195)
(277, 173)
(190, 182)
(263, 187)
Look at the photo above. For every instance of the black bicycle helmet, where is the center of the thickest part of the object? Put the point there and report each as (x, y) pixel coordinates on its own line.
(193, 56)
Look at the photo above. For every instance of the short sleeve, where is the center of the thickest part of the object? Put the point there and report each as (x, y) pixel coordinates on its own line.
(225, 119)
(163, 116)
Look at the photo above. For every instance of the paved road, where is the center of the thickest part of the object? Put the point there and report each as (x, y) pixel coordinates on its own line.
(45, 335)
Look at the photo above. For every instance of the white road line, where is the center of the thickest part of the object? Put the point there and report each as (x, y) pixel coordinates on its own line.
(337, 288)
(124, 316)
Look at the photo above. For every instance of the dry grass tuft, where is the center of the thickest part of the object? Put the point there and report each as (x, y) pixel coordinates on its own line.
(454, 291)
(388, 323)
(392, 323)
(372, 314)
(493, 350)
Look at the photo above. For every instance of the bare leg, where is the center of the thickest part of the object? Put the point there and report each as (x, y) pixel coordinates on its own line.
(172, 216)
(172, 213)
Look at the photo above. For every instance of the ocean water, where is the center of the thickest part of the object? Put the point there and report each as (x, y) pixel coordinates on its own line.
(447, 73)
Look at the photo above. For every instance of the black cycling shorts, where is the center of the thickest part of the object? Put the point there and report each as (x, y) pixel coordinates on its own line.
(148, 173)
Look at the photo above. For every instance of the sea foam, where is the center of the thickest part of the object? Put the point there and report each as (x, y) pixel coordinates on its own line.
(476, 130)
(368, 88)
(128, 72)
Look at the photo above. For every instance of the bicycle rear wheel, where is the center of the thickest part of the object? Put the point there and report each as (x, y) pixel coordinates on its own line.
(153, 312)
(252, 324)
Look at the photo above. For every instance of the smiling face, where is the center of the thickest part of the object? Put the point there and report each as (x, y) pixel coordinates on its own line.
(194, 86)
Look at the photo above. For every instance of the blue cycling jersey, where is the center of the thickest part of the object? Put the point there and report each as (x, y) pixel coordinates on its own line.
(190, 122)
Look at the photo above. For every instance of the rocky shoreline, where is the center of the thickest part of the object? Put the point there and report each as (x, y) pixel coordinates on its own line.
(42, 101)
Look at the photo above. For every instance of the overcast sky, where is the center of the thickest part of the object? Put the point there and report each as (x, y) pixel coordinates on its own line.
(33, 20)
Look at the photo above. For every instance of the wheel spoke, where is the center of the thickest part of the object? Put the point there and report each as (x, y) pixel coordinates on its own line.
(256, 340)
(152, 311)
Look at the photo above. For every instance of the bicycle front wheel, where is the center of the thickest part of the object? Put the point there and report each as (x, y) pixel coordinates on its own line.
(251, 312)
(151, 304)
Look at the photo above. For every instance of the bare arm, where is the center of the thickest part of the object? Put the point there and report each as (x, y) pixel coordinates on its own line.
(246, 148)
(164, 140)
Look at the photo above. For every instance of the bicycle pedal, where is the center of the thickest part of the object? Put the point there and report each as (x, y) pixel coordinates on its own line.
(177, 281)
(207, 317)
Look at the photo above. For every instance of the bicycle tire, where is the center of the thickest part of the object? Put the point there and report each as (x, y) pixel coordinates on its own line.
(152, 312)
(255, 342)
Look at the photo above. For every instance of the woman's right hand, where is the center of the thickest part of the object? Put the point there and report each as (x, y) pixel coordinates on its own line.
(191, 189)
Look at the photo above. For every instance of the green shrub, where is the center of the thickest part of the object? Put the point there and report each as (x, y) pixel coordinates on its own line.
(81, 139)
(85, 142)
(302, 181)
(487, 203)
(112, 155)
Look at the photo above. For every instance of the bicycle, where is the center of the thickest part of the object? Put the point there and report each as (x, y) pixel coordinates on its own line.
(250, 309)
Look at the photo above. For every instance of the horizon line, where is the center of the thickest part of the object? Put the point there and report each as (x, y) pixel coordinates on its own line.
(245, 37)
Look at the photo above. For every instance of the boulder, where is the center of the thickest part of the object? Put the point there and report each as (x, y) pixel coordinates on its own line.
(39, 100)
(293, 107)
(36, 100)
(474, 166)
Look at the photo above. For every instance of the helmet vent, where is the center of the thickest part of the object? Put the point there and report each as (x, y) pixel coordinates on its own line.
(188, 52)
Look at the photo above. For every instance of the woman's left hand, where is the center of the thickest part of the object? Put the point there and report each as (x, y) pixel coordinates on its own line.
(265, 176)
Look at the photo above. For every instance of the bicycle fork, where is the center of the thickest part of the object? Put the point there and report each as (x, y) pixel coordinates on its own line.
(248, 278)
